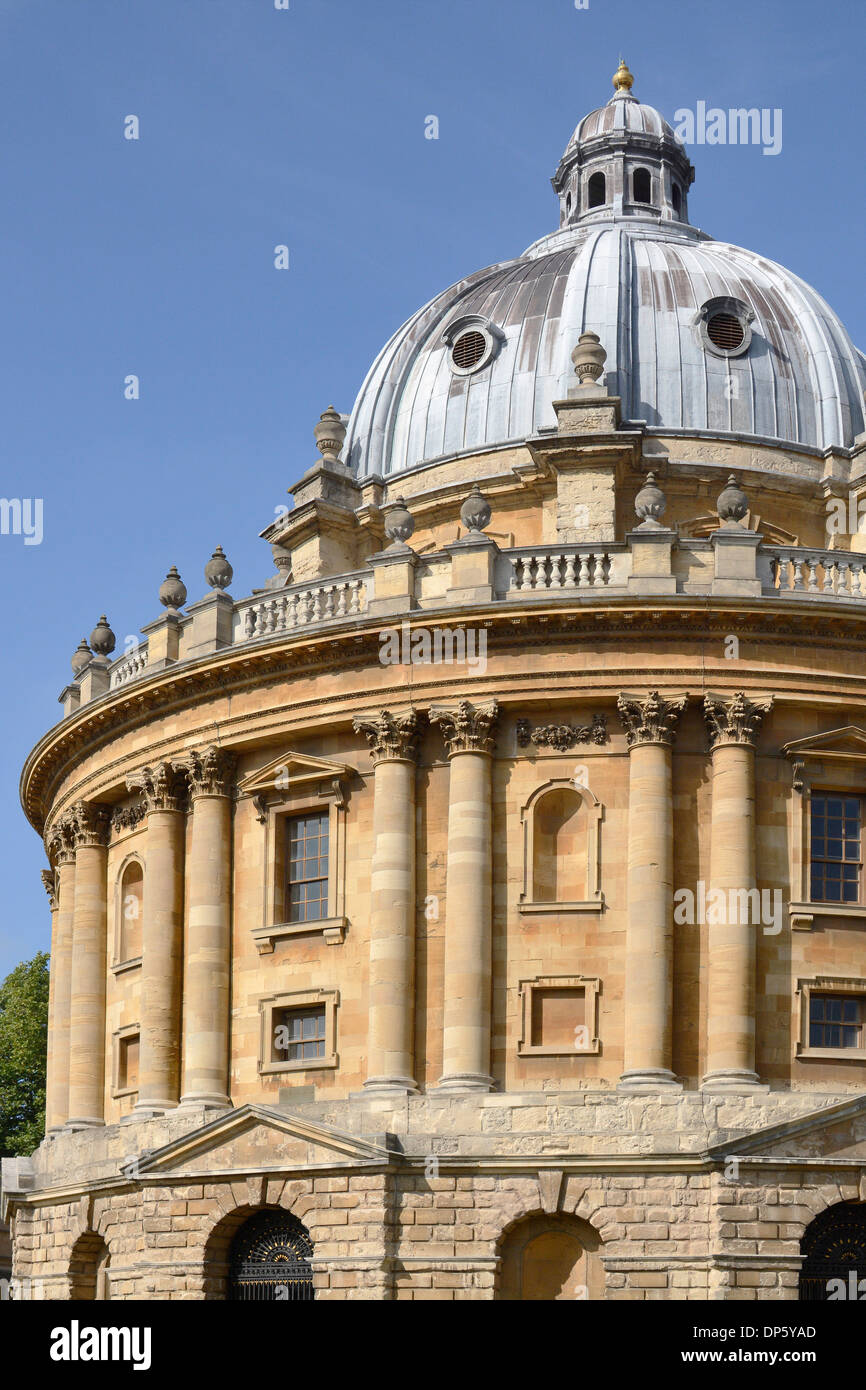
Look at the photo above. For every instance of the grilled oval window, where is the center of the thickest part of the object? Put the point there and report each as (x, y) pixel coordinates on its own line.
(725, 331)
(468, 350)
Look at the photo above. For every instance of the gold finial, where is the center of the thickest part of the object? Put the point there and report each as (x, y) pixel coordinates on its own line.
(622, 78)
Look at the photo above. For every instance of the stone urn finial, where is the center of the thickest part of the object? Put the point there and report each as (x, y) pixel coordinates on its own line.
(650, 504)
(282, 561)
(399, 523)
(476, 511)
(102, 639)
(330, 433)
(218, 572)
(81, 657)
(589, 358)
(172, 591)
(732, 503)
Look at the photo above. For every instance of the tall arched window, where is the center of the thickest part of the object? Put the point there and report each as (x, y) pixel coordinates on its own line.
(641, 186)
(597, 191)
(561, 823)
(130, 905)
(677, 199)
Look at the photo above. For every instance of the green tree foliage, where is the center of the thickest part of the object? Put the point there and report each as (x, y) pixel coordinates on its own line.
(23, 1045)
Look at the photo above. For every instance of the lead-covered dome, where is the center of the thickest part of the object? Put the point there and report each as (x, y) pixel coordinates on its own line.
(701, 335)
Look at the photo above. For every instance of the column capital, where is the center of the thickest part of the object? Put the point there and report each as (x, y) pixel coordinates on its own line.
(650, 719)
(49, 883)
(468, 728)
(60, 841)
(90, 824)
(162, 786)
(390, 736)
(735, 720)
(210, 770)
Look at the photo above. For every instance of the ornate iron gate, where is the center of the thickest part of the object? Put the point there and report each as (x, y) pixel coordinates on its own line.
(270, 1260)
(834, 1247)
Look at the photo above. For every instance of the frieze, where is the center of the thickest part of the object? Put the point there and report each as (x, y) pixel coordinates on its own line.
(562, 736)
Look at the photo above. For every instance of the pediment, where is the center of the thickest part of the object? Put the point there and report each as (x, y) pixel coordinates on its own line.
(292, 771)
(259, 1137)
(848, 743)
(837, 1131)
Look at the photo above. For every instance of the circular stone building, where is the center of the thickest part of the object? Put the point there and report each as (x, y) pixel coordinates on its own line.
(477, 910)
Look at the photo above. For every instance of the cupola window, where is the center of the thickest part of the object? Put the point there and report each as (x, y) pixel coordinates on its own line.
(725, 326)
(597, 191)
(677, 199)
(642, 186)
(726, 331)
(473, 341)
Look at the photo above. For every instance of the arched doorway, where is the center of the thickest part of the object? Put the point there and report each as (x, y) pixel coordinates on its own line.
(550, 1259)
(269, 1260)
(89, 1269)
(834, 1248)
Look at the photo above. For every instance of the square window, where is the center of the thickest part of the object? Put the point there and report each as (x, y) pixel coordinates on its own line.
(835, 1021)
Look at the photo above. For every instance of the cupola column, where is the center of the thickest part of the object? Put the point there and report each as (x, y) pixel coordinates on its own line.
(162, 938)
(469, 896)
(207, 964)
(90, 826)
(394, 741)
(732, 919)
(650, 732)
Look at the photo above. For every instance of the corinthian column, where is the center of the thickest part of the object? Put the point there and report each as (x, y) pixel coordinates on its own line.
(90, 827)
(207, 967)
(390, 1055)
(734, 919)
(162, 938)
(61, 849)
(49, 882)
(650, 732)
(469, 896)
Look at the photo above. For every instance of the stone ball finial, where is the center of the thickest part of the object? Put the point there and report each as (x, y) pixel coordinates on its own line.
(102, 639)
(589, 358)
(399, 522)
(81, 657)
(218, 572)
(650, 503)
(172, 591)
(476, 511)
(330, 433)
(732, 503)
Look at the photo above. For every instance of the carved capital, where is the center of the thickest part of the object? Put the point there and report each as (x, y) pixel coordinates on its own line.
(91, 824)
(60, 841)
(49, 883)
(162, 786)
(390, 736)
(210, 770)
(652, 719)
(468, 728)
(737, 720)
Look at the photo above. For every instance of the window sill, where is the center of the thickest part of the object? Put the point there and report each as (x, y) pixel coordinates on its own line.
(591, 1050)
(593, 905)
(333, 929)
(802, 915)
(315, 1064)
(121, 965)
(831, 1054)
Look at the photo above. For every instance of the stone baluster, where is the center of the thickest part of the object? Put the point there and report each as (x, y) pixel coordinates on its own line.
(650, 731)
(390, 1046)
(90, 827)
(207, 963)
(162, 938)
(733, 725)
(468, 733)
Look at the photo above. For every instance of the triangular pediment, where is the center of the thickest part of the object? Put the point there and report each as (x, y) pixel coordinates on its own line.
(260, 1137)
(847, 743)
(836, 1132)
(291, 771)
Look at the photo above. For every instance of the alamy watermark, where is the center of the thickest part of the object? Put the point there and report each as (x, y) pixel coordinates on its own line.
(736, 126)
(438, 646)
(22, 516)
(719, 907)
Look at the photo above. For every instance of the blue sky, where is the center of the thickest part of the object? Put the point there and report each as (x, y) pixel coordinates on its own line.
(305, 127)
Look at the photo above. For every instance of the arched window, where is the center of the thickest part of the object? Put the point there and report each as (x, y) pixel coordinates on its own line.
(269, 1260)
(561, 823)
(89, 1269)
(641, 186)
(597, 191)
(550, 1259)
(834, 1247)
(677, 199)
(568, 206)
(130, 904)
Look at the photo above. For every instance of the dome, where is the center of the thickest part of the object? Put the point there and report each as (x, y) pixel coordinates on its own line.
(701, 335)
